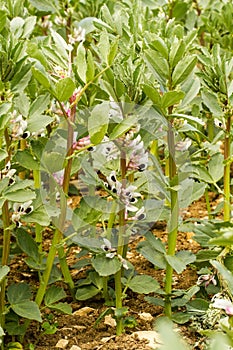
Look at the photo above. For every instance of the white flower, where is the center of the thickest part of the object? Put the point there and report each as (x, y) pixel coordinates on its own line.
(206, 279)
(20, 210)
(59, 176)
(78, 35)
(183, 145)
(107, 247)
(224, 304)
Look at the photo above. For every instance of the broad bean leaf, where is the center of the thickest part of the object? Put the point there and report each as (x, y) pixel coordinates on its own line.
(65, 308)
(81, 62)
(211, 101)
(171, 98)
(98, 122)
(3, 272)
(3, 155)
(64, 89)
(180, 260)
(28, 244)
(106, 266)
(27, 309)
(26, 160)
(86, 292)
(53, 295)
(18, 292)
(153, 94)
(183, 69)
(123, 127)
(21, 196)
(39, 105)
(45, 5)
(143, 284)
(41, 76)
(61, 45)
(158, 65)
(160, 45)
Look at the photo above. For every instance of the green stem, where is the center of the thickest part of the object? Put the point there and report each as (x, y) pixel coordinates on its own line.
(120, 247)
(154, 149)
(210, 128)
(173, 225)
(227, 172)
(5, 258)
(208, 207)
(38, 227)
(49, 264)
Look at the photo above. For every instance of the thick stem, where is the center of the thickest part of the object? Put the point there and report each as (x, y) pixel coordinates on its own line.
(5, 258)
(173, 225)
(120, 248)
(38, 227)
(49, 264)
(227, 175)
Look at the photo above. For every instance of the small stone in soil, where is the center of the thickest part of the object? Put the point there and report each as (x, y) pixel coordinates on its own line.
(146, 316)
(84, 311)
(62, 343)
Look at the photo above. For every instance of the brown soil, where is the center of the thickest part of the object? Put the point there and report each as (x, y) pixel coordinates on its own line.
(80, 330)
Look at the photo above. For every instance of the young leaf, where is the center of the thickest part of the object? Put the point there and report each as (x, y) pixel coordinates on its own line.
(143, 284)
(160, 45)
(90, 74)
(112, 52)
(60, 44)
(123, 127)
(153, 94)
(104, 46)
(158, 65)
(64, 89)
(171, 98)
(81, 62)
(41, 77)
(177, 52)
(98, 122)
(211, 101)
(183, 69)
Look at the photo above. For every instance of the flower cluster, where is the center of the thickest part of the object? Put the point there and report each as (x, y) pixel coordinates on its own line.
(136, 155)
(127, 195)
(206, 280)
(9, 173)
(19, 128)
(19, 210)
(83, 142)
(223, 304)
(111, 252)
(78, 35)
